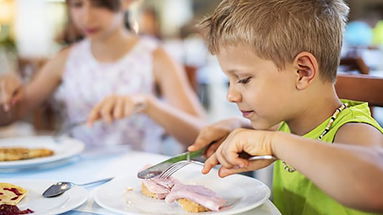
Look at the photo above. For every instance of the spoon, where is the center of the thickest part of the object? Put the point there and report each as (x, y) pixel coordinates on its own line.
(60, 187)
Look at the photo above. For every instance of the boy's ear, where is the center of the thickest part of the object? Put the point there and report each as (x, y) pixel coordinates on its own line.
(306, 67)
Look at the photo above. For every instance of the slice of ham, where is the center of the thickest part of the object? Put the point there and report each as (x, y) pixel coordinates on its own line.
(159, 186)
(196, 193)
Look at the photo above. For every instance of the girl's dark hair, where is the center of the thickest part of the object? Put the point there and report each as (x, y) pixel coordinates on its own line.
(71, 34)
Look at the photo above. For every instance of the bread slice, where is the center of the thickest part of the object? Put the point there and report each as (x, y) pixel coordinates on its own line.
(191, 206)
(11, 194)
(146, 192)
(186, 204)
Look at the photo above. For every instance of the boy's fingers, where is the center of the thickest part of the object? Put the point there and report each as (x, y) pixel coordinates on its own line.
(223, 172)
(252, 166)
(200, 142)
(212, 148)
(204, 138)
(209, 164)
(233, 156)
(222, 160)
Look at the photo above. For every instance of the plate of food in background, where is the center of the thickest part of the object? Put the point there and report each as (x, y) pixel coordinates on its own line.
(187, 191)
(36, 151)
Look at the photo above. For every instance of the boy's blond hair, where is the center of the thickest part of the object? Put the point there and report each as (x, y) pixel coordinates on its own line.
(278, 30)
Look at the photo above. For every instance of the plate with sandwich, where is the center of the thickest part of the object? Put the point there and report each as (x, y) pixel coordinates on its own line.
(188, 191)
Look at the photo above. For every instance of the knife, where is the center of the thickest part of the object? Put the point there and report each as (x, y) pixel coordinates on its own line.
(160, 167)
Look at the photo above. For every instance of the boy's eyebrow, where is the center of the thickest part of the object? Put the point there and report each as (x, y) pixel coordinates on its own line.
(236, 72)
(231, 71)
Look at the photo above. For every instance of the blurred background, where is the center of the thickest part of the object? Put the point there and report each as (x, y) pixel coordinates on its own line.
(30, 32)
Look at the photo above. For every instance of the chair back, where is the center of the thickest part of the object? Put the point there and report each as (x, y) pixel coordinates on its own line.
(358, 87)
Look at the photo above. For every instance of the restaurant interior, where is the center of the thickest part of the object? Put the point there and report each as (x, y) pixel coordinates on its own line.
(31, 34)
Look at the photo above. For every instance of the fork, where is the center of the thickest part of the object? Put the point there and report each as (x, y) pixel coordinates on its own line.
(178, 165)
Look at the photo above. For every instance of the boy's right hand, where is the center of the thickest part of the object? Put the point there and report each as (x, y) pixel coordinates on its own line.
(214, 135)
(10, 91)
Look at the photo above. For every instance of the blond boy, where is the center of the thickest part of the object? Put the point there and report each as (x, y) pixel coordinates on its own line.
(281, 58)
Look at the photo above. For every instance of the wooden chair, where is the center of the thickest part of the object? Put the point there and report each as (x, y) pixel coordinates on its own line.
(358, 87)
(355, 63)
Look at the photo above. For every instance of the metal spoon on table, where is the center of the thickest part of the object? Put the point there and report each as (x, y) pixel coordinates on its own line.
(60, 187)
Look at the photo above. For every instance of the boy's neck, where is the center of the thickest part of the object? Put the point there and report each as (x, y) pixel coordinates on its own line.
(317, 110)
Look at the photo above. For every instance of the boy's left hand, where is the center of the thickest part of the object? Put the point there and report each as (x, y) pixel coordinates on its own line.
(252, 142)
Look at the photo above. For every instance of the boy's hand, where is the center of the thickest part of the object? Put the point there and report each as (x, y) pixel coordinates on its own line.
(10, 91)
(214, 135)
(117, 107)
(250, 141)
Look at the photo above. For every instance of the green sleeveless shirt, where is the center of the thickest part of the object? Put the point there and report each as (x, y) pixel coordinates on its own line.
(294, 194)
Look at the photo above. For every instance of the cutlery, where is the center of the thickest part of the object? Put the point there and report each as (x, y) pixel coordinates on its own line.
(61, 187)
(178, 165)
(159, 168)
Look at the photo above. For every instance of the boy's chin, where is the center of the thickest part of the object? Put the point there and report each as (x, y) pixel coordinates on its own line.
(261, 125)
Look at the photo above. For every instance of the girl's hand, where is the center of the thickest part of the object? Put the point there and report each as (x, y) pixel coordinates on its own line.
(11, 91)
(241, 141)
(117, 107)
(214, 135)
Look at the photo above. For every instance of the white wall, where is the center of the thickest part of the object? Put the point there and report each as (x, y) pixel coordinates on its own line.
(36, 26)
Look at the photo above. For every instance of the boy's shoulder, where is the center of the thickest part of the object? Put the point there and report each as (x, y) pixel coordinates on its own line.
(354, 120)
(356, 112)
(357, 126)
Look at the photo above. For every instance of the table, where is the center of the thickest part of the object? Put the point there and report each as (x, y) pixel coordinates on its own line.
(100, 163)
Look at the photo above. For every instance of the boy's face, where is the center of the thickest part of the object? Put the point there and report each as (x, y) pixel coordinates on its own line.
(264, 94)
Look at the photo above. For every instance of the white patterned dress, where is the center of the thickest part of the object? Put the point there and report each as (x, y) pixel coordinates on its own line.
(86, 82)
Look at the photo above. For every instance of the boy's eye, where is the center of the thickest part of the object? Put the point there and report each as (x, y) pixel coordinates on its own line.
(244, 80)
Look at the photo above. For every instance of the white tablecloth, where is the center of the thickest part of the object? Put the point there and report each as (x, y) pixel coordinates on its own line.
(103, 163)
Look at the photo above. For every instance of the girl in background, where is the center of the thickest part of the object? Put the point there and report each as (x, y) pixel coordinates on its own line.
(110, 73)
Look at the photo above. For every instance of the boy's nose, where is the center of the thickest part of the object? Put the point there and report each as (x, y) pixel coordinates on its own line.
(233, 95)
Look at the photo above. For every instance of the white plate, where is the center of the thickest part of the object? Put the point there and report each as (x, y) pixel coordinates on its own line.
(46, 206)
(65, 149)
(241, 192)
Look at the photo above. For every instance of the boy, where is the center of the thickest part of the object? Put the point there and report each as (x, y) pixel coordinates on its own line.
(281, 58)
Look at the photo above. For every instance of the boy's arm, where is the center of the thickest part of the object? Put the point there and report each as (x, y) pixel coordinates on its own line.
(214, 134)
(351, 174)
(359, 134)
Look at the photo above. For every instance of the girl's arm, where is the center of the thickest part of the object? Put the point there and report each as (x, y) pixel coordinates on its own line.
(182, 114)
(33, 94)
